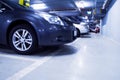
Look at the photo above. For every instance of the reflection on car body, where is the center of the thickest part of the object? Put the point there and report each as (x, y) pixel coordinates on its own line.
(25, 28)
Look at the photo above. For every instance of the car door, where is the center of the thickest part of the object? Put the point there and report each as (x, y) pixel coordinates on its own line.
(4, 18)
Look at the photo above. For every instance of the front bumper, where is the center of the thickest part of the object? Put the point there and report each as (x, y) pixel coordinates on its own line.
(57, 35)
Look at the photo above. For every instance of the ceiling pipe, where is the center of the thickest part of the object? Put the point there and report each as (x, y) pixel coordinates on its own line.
(106, 4)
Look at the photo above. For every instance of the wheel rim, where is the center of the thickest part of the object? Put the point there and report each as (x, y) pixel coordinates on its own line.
(22, 40)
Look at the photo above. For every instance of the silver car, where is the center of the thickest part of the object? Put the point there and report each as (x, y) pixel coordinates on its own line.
(83, 27)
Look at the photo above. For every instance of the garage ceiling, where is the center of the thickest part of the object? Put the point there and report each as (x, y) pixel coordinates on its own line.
(93, 8)
(90, 8)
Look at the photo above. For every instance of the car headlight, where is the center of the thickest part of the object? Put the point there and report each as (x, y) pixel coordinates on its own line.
(52, 19)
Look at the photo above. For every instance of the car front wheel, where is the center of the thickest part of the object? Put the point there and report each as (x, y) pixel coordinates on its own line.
(23, 39)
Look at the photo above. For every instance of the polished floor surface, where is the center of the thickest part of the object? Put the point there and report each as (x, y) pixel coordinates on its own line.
(92, 57)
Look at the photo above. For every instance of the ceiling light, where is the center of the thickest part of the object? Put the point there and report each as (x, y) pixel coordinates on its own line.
(79, 4)
(89, 12)
(83, 4)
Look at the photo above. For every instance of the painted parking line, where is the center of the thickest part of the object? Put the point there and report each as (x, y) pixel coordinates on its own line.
(20, 74)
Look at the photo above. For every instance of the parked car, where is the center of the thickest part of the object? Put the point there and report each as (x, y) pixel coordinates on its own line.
(25, 28)
(83, 27)
(93, 27)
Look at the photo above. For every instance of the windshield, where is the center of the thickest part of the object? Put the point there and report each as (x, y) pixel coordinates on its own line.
(53, 5)
(38, 5)
(47, 5)
(34, 4)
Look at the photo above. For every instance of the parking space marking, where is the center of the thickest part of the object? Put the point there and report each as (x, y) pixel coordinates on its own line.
(20, 74)
(17, 57)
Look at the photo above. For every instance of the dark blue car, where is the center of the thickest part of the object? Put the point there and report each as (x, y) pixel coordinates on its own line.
(25, 28)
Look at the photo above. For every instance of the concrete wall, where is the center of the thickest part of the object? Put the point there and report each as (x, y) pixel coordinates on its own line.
(111, 22)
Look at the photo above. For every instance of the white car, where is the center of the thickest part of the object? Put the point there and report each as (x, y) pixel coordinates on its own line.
(83, 27)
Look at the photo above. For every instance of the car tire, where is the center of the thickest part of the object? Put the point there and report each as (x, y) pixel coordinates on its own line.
(78, 32)
(22, 39)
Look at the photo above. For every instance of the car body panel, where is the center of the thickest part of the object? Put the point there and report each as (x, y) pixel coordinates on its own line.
(47, 34)
(84, 28)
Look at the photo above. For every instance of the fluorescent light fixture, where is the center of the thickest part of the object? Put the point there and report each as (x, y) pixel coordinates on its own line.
(79, 4)
(89, 12)
(83, 4)
(39, 6)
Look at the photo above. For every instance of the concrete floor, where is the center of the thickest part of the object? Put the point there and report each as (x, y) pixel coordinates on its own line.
(92, 57)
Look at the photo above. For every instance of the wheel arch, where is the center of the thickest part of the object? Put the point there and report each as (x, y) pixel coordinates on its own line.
(18, 22)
